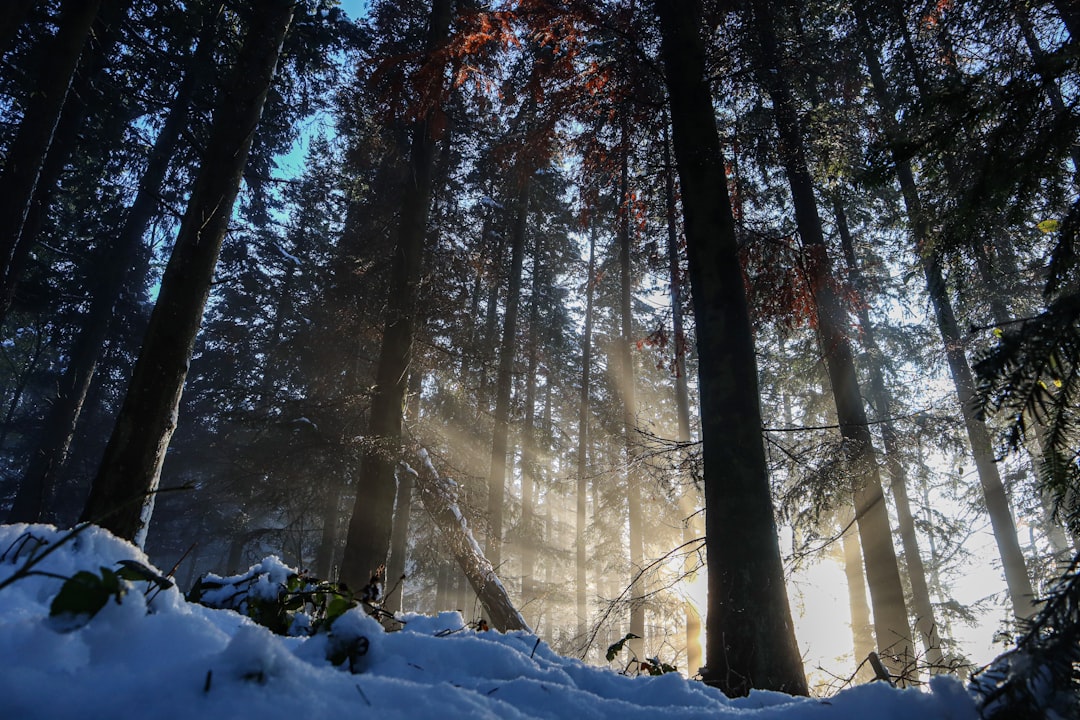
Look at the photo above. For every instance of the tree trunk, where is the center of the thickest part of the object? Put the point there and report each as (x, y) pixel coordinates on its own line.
(628, 396)
(121, 498)
(862, 631)
(882, 572)
(370, 526)
(440, 501)
(750, 638)
(529, 536)
(1021, 593)
(47, 460)
(504, 380)
(26, 156)
(399, 538)
(328, 536)
(687, 500)
(581, 519)
(926, 626)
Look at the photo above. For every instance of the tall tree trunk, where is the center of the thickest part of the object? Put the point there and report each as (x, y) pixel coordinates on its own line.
(370, 527)
(750, 638)
(121, 498)
(504, 379)
(328, 535)
(926, 626)
(687, 505)
(114, 268)
(581, 507)
(399, 537)
(1017, 579)
(530, 536)
(26, 156)
(862, 631)
(882, 572)
(628, 396)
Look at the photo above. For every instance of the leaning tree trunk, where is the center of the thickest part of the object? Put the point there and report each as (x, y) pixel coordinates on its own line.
(750, 638)
(1021, 593)
(47, 460)
(370, 527)
(121, 498)
(26, 156)
(440, 501)
(882, 572)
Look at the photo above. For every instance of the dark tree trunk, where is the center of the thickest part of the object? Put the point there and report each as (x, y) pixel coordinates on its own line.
(47, 461)
(750, 638)
(882, 572)
(1017, 579)
(121, 498)
(370, 527)
(504, 380)
(22, 167)
(581, 519)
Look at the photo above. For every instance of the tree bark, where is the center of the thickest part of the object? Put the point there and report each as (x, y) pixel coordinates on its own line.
(370, 526)
(750, 638)
(121, 498)
(1017, 579)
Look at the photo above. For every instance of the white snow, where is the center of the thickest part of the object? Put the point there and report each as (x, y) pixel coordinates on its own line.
(164, 657)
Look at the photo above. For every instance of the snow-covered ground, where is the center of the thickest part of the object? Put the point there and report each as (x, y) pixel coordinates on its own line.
(168, 658)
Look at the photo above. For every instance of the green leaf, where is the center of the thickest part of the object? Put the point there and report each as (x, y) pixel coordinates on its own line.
(135, 572)
(1048, 226)
(337, 607)
(82, 596)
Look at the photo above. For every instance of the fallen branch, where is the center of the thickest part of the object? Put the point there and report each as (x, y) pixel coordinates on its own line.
(439, 496)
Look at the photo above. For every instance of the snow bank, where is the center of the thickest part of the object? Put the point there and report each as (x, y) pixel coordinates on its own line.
(154, 655)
